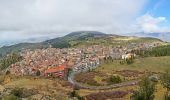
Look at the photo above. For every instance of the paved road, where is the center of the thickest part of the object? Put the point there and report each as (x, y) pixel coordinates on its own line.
(123, 84)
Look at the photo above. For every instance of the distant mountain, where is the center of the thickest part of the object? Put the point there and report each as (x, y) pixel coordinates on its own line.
(74, 39)
(165, 36)
(29, 40)
(79, 34)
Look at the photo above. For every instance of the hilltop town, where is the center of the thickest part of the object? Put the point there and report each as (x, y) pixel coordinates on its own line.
(83, 66)
(79, 59)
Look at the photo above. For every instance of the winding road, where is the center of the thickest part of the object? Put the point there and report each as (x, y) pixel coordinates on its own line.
(123, 84)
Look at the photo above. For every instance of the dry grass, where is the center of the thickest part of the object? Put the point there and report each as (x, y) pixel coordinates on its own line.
(52, 88)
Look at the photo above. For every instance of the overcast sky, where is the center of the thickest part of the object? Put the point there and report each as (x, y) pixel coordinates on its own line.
(25, 19)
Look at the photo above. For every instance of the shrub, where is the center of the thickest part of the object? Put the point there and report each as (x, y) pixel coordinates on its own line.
(22, 92)
(10, 97)
(38, 73)
(17, 92)
(153, 78)
(7, 72)
(167, 96)
(115, 79)
(146, 90)
(129, 61)
(75, 94)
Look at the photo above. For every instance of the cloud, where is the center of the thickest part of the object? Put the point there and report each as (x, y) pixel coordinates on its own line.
(149, 23)
(23, 19)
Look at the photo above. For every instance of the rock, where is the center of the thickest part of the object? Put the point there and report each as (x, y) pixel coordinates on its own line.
(37, 97)
(46, 98)
(154, 78)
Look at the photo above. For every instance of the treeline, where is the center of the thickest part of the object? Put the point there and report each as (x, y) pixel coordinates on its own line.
(9, 59)
(154, 52)
(61, 44)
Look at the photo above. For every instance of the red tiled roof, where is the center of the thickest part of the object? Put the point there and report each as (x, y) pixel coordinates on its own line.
(56, 69)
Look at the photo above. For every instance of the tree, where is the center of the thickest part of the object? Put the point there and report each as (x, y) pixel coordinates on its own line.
(146, 90)
(129, 61)
(38, 73)
(9, 59)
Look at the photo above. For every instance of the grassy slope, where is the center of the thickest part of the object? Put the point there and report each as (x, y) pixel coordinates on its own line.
(43, 85)
(114, 41)
(156, 64)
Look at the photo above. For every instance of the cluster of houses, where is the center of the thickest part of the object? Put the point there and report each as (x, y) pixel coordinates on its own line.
(86, 65)
(53, 61)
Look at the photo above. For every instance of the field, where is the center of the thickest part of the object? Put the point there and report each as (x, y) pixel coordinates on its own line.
(158, 94)
(154, 64)
(139, 67)
(101, 76)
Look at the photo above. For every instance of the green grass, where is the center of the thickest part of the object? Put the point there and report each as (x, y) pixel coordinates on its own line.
(154, 64)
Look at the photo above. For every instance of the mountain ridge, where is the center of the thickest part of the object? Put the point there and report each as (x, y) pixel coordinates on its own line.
(165, 36)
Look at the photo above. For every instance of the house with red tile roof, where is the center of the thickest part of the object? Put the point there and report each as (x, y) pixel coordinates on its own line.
(56, 71)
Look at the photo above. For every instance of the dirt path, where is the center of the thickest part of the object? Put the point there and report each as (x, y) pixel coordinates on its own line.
(123, 84)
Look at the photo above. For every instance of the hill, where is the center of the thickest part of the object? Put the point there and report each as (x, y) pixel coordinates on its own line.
(161, 35)
(76, 39)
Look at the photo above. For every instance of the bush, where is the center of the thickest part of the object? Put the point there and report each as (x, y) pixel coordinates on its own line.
(17, 92)
(22, 92)
(167, 96)
(115, 79)
(129, 61)
(146, 90)
(7, 72)
(75, 94)
(10, 97)
(153, 78)
(38, 73)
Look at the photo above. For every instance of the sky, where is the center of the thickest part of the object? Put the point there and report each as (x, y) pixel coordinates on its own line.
(37, 20)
